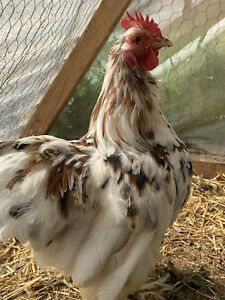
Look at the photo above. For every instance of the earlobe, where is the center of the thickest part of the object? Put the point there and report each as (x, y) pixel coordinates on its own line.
(130, 58)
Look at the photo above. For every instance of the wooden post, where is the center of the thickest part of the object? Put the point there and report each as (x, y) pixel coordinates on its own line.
(79, 61)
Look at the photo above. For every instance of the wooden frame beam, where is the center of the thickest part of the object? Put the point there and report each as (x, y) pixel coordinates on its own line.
(208, 166)
(75, 67)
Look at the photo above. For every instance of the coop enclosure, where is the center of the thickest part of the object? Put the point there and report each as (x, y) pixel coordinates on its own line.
(48, 46)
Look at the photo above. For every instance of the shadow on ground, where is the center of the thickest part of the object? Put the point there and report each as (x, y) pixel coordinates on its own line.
(192, 285)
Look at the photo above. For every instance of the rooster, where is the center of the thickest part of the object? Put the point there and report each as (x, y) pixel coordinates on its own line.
(97, 208)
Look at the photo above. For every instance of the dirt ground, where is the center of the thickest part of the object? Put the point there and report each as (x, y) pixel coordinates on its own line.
(193, 250)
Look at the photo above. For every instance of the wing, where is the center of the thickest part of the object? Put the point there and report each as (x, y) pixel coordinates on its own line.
(56, 195)
(41, 179)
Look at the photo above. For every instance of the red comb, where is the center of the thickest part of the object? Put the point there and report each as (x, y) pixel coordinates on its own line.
(150, 25)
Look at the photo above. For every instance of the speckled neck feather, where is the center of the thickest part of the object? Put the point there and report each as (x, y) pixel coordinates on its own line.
(128, 107)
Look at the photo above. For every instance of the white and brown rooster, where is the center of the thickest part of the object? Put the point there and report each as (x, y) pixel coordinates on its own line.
(97, 208)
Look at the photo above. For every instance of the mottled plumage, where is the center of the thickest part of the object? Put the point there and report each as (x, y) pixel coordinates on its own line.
(98, 208)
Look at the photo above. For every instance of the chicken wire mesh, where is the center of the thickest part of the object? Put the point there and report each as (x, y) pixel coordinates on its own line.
(37, 36)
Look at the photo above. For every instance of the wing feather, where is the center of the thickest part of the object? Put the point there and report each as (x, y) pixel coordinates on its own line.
(33, 170)
(52, 195)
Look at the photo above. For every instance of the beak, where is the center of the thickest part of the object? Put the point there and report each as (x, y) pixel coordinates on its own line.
(161, 42)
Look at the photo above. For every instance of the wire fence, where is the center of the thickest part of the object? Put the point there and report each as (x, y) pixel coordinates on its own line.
(37, 35)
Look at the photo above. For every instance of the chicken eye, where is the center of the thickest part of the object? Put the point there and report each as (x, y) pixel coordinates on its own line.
(137, 39)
